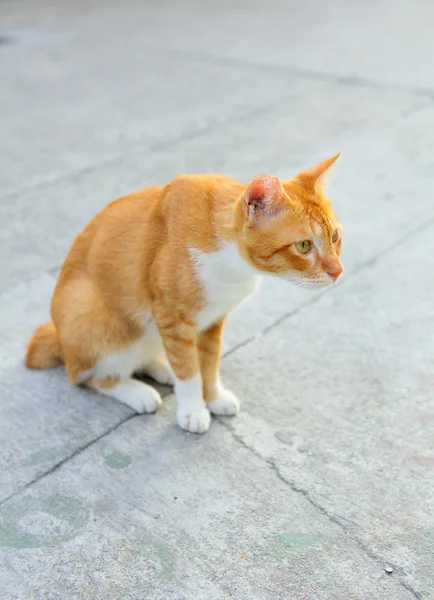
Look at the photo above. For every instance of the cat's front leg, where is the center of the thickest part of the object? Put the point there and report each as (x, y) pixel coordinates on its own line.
(179, 340)
(219, 400)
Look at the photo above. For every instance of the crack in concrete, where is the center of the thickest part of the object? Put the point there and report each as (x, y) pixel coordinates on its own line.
(77, 451)
(355, 80)
(155, 146)
(336, 520)
(412, 591)
(57, 466)
(236, 64)
(362, 267)
(292, 485)
(371, 262)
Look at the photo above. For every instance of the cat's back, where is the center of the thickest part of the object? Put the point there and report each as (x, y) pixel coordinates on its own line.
(197, 197)
(139, 216)
(132, 227)
(117, 226)
(200, 184)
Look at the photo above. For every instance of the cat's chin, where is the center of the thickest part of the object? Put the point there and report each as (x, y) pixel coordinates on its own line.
(306, 283)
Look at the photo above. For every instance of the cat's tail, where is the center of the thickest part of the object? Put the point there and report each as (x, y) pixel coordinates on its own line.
(43, 349)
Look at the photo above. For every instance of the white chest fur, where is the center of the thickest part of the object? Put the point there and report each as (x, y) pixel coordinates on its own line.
(227, 280)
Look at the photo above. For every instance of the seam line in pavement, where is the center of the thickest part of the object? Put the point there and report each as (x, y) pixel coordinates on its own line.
(157, 146)
(200, 131)
(362, 267)
(76, 452)
(336, 520)
(154, 146)
(66, 459)
(306, 73)
(370, 262)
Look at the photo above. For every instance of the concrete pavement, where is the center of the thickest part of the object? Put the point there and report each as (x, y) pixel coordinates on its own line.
(325, 479)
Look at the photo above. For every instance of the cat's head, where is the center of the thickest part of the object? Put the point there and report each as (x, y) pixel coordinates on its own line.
(289, 229)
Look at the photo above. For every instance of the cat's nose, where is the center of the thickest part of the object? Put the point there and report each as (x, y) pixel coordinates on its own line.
(335, 271)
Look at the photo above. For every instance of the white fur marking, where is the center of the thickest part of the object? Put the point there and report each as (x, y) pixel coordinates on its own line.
(225, 403)
(227, 280)
(140, 397)
(316, 229)
(146, 351)
(192, 413)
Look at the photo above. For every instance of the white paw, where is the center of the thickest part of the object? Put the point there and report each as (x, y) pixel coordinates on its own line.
(138, 395)
(144, 400)
(226, 403)
(160, 371)
(197, 421)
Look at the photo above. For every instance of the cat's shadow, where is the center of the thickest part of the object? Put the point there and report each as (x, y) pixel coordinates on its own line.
(164, 390)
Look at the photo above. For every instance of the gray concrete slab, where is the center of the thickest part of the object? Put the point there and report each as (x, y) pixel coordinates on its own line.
(384, 172)
(43, 220)
(347, 417)
(20, 309)
(384, 42)
(44, 420)
(324, 479)
(94, 118)
(27, 305)
(149, 512)
(92, 103)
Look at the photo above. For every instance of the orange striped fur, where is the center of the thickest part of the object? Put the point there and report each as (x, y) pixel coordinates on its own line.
(148, 284)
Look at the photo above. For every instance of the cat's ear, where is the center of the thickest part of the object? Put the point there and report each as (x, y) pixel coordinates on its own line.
(314, 179)
(263, 197)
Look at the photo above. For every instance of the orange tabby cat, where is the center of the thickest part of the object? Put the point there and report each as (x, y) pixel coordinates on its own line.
(148, 284)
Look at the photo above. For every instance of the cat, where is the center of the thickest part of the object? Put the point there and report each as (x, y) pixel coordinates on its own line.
(148, 284)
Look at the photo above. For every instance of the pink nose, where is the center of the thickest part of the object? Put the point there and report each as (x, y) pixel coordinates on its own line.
(335, 271)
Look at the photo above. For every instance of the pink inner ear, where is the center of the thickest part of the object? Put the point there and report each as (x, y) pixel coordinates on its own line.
(263, 191)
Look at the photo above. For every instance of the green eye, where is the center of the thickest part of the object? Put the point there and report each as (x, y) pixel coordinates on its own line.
(303, 247)
(335, 236)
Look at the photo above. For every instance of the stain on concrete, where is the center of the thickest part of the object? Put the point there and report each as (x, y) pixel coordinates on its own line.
(286, 436)
(41, 522)
(292, 545)
(118, 460)
(291, 439)
(158, 554)
(6, 40)
(44, 456)
(423, 459)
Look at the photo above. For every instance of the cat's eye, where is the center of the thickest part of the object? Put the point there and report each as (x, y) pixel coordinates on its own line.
(335, 236)
(303, 247)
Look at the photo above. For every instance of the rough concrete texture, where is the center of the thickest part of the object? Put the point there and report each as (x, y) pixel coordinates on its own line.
(325, 479)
